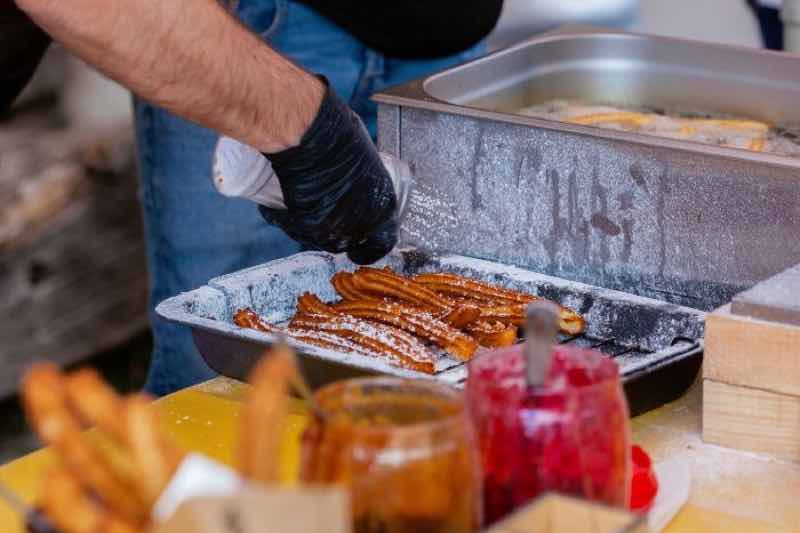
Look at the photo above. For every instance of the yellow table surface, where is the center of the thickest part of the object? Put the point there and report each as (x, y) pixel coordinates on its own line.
(731, 491)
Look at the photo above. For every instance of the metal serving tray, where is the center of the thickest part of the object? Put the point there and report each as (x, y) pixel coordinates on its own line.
(657, 344)
(676, 220)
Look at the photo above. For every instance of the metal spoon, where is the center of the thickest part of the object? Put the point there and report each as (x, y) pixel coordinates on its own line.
(541, 332)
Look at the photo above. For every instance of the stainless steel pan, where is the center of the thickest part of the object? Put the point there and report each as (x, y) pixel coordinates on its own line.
(676, 220)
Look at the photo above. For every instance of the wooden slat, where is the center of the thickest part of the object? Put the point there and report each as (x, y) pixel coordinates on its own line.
(72, 264)
(775, 299)
(751, 419)
(751, 352)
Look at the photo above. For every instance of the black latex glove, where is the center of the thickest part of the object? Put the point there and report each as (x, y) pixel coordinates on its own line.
(338, 194)
(22, 45)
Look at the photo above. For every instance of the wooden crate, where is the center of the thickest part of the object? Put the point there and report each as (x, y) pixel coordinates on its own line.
(751, 370)
(751, 419)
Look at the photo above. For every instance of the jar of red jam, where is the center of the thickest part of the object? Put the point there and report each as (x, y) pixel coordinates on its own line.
(569, 435)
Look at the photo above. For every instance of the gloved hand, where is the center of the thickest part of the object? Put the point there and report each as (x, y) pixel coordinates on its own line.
(22, 45)
(338, 194)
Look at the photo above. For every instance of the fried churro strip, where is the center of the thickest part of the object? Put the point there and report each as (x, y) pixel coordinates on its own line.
(455, 286)
(95, 402)
(117, 459)
(733, 124)
(311, 304)
(345, 286)
(386, 340)
(384, 284)
(415, 322)
(156, 457)
(375, 338)
(356, 331)
(508, 314)
(462, 315)
(496, 303)
(693, 125)
(387, 284)
(249, 319)
(71, 510)
(330, 341)
(757, 144)
(493, 334)
(264, 414)
(570, 322)
(627, 117)
(45, 403)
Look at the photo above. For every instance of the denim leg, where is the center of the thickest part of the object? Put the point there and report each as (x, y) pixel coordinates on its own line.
(193, 233)
(381, 72)
(403, 70)
(319, 46)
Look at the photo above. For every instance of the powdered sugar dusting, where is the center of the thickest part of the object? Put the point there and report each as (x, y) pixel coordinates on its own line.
(424, 206)
(398, 341)
(271, 290)
(607, 212)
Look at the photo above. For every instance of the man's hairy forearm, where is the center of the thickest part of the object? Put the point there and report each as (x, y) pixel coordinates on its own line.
(192, 58)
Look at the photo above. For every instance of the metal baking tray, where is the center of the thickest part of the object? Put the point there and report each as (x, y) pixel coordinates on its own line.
(657, 345)
(670, 219)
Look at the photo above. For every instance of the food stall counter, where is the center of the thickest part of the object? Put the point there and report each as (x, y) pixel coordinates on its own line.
(731, 491)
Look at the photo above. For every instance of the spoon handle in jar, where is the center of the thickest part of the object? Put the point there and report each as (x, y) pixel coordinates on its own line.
(541, 331)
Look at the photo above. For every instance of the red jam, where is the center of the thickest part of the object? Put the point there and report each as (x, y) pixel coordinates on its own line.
(569, 436)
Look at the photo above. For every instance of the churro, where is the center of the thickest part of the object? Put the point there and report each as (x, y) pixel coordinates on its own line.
(390, 341)
(493, 334)
(249, 319)
(626, 117)
(116, 474)
(264, 414)
(412, 320)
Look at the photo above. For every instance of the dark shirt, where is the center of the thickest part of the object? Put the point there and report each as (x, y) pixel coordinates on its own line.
(769, 20)
(413, 28)
(22, 45)
(400, 28)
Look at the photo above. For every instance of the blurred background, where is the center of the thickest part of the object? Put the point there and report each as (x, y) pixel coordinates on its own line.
(72, 267)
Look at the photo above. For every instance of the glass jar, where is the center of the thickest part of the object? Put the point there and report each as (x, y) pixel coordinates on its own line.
(570, 435)
(404, 448)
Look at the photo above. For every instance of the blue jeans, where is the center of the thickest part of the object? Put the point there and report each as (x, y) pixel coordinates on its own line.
(193, 233)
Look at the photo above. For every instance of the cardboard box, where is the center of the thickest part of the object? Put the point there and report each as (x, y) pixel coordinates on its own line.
(554, 513)
(264, 510)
